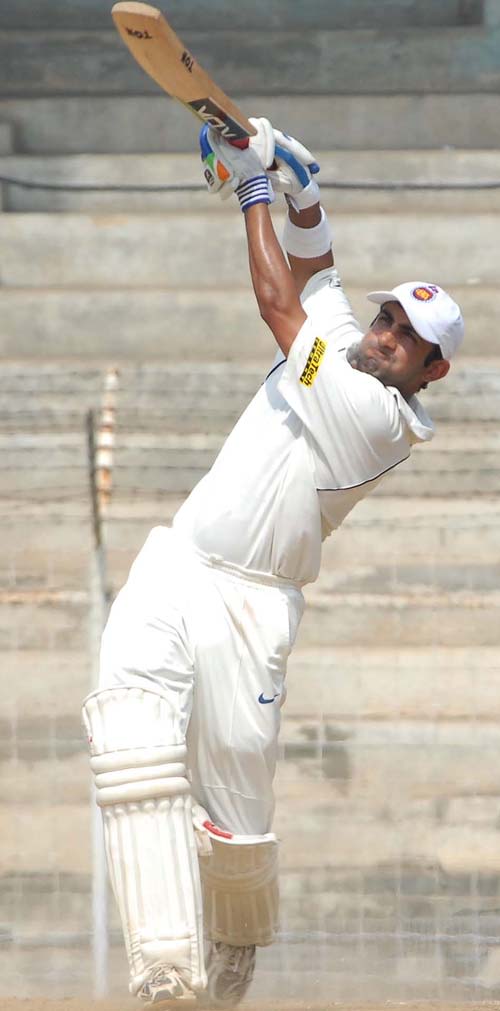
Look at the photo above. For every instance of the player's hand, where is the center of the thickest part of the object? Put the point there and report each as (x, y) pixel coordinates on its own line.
(295, 168)
(226, 166)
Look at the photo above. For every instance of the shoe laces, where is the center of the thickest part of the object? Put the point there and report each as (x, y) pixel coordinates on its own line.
(236, 959)
(164, 976)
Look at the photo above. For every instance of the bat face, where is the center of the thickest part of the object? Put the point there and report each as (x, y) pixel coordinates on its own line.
(212, 113)
(160, 52)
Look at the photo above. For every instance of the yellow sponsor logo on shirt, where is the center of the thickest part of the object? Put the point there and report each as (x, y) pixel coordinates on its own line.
(313, 362)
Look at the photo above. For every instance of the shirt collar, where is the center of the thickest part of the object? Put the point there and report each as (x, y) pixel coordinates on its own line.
(420, 424)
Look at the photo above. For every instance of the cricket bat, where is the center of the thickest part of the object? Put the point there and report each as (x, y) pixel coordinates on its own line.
(160, 52)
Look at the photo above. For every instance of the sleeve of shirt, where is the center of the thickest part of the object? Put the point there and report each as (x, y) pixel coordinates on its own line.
(354, 421)
(325, 302)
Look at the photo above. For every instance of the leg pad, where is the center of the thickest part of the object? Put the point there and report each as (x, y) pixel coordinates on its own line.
(240, 884)
(138, 760)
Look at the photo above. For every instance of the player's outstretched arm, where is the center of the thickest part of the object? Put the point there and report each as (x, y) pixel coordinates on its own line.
(307, 237)
(272, 279)
(226, 168)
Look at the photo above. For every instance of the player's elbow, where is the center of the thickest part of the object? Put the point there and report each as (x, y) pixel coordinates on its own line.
(277, 305)
(269, 307)
(268, 294)
(273, 311)
(283, 324)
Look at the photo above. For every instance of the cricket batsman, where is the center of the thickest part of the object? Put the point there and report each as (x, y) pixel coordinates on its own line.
(183, 728)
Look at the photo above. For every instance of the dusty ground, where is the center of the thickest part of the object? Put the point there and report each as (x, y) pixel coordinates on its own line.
(128, 1004)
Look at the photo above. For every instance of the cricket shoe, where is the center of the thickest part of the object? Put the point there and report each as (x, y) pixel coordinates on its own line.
(229, 971)
(166, 989)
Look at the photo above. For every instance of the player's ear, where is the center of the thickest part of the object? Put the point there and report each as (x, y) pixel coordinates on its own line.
(437, 370)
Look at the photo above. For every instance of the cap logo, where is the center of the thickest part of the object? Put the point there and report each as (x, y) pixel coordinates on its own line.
(425, 294)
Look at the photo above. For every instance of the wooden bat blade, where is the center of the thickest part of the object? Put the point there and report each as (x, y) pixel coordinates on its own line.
(160, 52)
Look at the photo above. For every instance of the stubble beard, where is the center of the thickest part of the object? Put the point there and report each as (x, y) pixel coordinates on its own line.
(359, 360)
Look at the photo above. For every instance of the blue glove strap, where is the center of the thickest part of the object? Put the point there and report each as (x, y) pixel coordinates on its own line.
(296, 166)
(205, 148)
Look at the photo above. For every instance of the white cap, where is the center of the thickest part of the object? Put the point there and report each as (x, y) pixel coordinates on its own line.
(431, 311)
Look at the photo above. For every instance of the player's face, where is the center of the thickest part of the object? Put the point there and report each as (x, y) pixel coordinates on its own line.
(393, 352)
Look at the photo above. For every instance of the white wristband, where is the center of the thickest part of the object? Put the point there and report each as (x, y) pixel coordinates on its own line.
(306, 198)
(306, 243)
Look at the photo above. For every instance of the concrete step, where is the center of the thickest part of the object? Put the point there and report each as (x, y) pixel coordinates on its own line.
(45, 619)
(422, 684)
(47, 466)
(349, 763)
(342, 61)
(394, 943)
(84, 324)
(419, 577)
(452, 529)
(6, 139)
(408, 827)
(33, 481)
(314, 962)
(454, 464)
(339, 170)
(95, 325)
(48, 549)
(122, 251)
(166, 451)
(136, 124)
(40, 466)
(347, 891)
(50, 687)
(80, 14)
(434, 684)
(419, 614)
(453, 607)
(42, 396)
(329, 919)
(149, 396)
(29, 778)
(46, 546)
(53, 970)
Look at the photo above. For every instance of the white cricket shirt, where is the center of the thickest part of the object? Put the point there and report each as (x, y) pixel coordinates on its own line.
(317, 437)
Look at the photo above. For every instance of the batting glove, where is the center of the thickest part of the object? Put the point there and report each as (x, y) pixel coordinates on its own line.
(293, 176)
(227, 168)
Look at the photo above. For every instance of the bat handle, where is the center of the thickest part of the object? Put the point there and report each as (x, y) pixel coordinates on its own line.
(242, 144)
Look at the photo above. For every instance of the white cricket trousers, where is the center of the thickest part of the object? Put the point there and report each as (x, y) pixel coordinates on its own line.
(215, 640)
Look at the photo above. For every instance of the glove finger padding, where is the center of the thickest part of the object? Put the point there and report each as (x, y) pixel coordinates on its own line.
(295, 166)
(219, 175)
(263, 141)
(295, 181)
(289, 176)
(301, 153)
